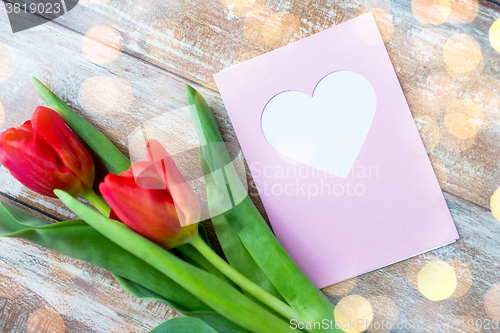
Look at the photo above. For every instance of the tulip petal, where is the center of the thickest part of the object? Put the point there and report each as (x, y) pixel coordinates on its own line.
(148, 175)
(153, 199)
(33, 162)
(50, 126)
(148, 212)
(186, 202)
(155, 152)
(114, 160)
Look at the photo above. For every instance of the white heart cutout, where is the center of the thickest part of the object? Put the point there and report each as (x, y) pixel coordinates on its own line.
(325, 131)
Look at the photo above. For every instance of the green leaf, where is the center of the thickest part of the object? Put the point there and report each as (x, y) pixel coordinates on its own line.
(204, 234)
(213, 319)
(10, 217)
(198, 322)
(213, 152)
(238, 256)
(219, 323)
(70, 237)
(114, 160)
(191, 254)
(247, 222)
(194, 257)
(77, 239)
(214, 292)
(183, 325)
(141, 292)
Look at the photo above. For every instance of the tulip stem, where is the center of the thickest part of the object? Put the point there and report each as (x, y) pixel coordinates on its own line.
(97, 201)
(242, 281)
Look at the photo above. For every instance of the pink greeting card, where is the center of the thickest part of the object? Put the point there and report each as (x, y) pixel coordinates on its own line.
(335, 153)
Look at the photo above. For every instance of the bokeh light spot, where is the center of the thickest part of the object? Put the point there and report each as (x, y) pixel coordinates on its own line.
(463, 118)
(263, 27)
(472, 75)
(8, 63)
(125, 93)
(431, 11)
(101, 45)
(437, 280)
(495, 35)
(242, 7)
(414, 267)
(353, 314)
(98, 94)
(291, 30)
(463, 11)
(455, 144)
(461, 54)
(45, 321)
(464, 277)
(495, 204)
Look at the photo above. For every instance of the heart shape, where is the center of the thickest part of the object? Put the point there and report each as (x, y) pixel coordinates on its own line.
(325, 131)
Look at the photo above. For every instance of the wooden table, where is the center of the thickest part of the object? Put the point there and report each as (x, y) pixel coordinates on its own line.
(122, 63)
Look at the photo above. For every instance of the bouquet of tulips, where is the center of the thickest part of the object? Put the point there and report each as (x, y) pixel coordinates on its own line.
(146, 229)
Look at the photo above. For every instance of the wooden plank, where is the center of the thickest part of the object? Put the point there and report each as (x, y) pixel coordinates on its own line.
(465, 166)
(42, 290)
(86, 298)
(117, 99)
(198, 38)
(393, 292)
(77, 296)
(128, 92)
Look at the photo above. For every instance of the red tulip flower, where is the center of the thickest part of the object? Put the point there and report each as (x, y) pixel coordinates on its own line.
(44, 155)
(153, 199)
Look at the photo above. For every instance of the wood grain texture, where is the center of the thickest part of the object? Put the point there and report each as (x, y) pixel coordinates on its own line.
(128, 72)
(476, 250)
(86, 297)
(196, 39)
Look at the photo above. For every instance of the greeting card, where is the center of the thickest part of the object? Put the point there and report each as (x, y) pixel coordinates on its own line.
(335, 154)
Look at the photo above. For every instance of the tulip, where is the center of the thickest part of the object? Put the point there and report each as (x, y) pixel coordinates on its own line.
(44, 155)
(153, 199)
